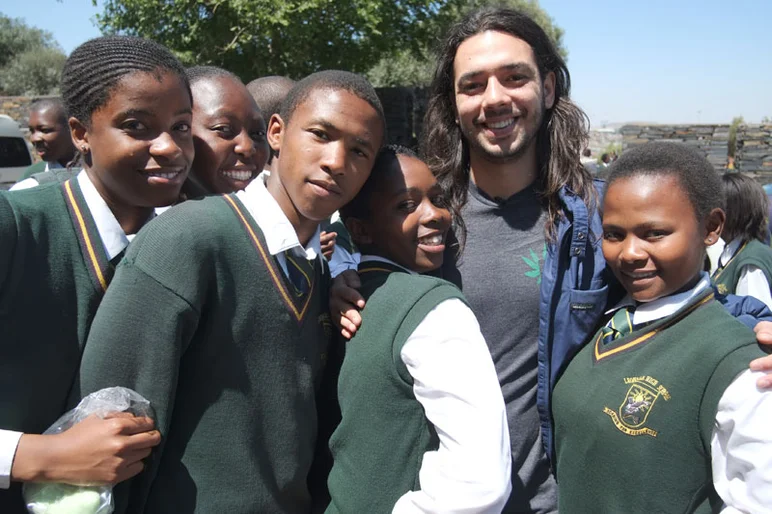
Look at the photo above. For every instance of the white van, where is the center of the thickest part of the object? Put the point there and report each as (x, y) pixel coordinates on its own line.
(15, 156)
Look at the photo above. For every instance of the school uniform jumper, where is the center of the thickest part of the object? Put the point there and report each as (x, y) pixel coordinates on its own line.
(635, 417)
(203, 322)
(745, 269)
(423, 420)
(55, 264)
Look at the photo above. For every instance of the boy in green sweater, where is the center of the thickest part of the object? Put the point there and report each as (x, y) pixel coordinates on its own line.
(218, 316)
(423, 424)
(659, 413)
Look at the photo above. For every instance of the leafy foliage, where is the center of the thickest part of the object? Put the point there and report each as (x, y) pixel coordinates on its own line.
(255, 38)
(30, 60)
(415, 68)
(736, 122)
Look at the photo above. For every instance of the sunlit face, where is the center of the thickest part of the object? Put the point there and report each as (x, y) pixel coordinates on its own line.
(50, 135)
(408, 220)
(327, 150)
(652, 239)
(139, 143)
(229, 135)
(500, 97)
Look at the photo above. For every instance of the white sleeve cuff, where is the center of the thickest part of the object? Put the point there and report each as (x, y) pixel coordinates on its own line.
(9, 441)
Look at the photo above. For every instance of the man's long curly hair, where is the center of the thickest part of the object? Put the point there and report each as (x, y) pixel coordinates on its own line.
(561, 137)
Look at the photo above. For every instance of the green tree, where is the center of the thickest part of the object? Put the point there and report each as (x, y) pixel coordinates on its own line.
(414, 67)
(30, 60)
(255, 38)
(34, 72)
(736, 122)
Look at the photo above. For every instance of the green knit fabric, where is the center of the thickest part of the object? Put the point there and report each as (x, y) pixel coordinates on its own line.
(35, 168)
(55, 175)
(379, 445)
(48, 297)
(754, 253)
(634, 418)
(196, 321)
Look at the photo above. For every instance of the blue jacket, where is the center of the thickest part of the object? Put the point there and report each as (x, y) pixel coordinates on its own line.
(576, 290)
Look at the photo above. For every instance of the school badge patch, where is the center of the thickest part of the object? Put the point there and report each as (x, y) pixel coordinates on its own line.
(722, 288)
(637, 404)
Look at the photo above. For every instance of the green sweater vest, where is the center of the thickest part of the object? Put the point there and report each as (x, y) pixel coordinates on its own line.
(752, 253)
(51, 261)
(634, 418)
(202, 322)
(379, 445)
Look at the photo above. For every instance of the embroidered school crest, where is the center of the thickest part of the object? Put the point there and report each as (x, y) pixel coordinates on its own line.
(722, 288)
(633, 412)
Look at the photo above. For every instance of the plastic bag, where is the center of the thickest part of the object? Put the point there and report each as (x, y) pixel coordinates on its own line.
(54, 498)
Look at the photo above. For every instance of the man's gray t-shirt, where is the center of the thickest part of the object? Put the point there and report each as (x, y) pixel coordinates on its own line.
(499, 272)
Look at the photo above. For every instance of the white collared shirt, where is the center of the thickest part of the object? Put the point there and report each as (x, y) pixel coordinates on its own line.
(741, 443)
(115, 241)
(752, 280)
(279, 233)
(455, 382)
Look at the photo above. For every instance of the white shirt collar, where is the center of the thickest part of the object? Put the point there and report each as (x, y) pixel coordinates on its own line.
(378, 258)
(729, 250)
(665, 306)
(110, 231)
(279, 233)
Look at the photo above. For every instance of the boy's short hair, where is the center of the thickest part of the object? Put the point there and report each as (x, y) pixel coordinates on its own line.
(196, 73)
(270, 92)
(746, 208)
(696, 175)
(44, 104)
(359, 206)
(332, 80)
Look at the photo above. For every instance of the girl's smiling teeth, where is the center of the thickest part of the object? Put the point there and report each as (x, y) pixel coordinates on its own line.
(238, 174)
(433, 240)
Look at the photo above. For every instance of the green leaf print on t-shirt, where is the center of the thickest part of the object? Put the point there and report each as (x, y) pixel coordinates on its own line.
(535, 263)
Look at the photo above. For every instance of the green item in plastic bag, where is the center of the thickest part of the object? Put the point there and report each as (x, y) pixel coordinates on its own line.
(65, 499)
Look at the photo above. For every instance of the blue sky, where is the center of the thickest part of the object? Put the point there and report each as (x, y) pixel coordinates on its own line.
(666, 61)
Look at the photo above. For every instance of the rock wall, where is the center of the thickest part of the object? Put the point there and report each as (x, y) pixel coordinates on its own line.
(711, 140)
(754, 151)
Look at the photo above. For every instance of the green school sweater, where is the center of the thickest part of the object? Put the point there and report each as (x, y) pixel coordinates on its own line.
(38, 167)
(379, 445)
(53, 272)
(634, 418)
(202, 321)
(752, 253)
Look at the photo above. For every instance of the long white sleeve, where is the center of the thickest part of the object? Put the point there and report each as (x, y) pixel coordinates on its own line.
(741, 447)
(9, 441)
(456, 383)
(754, 283)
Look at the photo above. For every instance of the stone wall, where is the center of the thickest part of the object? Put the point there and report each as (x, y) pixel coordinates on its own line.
(711, 140)
(754, 151)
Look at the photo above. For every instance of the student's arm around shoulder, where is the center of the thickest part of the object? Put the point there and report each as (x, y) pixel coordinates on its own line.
(741, 447)
(455, 381)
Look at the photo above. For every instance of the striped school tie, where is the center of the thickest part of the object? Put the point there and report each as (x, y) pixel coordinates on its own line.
(620, 324)
(299, 271)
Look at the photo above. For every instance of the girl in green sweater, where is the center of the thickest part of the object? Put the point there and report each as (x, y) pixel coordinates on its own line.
(129, 107)
(659, 412)
(423, 425)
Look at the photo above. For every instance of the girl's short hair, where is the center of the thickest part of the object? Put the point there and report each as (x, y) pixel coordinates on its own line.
(93, 70)
(747, 208)
(697, 177)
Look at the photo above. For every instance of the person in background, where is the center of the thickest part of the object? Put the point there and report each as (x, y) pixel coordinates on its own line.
(744, 265)
(50, 135)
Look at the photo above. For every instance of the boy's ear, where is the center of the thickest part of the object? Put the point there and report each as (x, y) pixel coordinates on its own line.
(275, 132)
(359, 232)
(714, 225)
